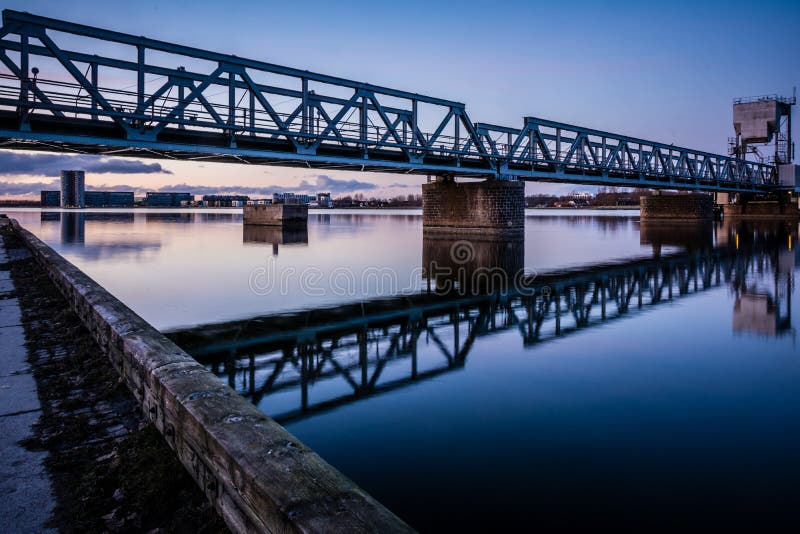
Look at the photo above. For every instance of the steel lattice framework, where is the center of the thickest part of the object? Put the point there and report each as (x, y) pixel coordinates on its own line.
(105, 92)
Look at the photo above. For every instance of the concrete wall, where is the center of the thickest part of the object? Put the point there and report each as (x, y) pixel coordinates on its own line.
(764, 210)
(690, 207)
(493, 207)
(258, 476)
(275, 214)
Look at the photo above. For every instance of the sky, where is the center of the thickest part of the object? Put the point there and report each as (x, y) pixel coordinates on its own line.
(661, 71)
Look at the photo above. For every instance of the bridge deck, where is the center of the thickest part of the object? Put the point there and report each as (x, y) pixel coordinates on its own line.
(218, 107)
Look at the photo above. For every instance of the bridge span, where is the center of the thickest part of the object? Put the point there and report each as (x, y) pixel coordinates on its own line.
(75, 88)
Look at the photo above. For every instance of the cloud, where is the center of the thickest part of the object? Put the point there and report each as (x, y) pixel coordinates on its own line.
(322, 183)
(19, 189)
(12, 163)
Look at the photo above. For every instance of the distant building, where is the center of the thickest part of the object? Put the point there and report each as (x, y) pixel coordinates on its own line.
(167, 200)
(291, 198)
(225, 201)
(324, 200)
(51, 199)
(72, 189)
(259, 201)
(109, 199)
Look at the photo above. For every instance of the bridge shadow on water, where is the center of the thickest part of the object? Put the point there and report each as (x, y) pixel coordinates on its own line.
(295, 365)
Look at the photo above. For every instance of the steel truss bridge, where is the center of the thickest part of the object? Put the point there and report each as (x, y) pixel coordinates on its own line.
(363, 349)
(110, 93)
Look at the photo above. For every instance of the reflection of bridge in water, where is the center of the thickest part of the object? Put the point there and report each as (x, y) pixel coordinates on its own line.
(333, 356)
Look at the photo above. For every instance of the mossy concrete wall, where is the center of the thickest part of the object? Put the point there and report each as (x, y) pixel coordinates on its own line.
(258, 476)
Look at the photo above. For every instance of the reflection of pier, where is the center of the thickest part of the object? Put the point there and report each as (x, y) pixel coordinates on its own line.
(329, 357)
(691, 236)
(275, 235)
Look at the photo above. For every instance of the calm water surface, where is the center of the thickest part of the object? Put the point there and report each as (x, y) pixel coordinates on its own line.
(640, 376)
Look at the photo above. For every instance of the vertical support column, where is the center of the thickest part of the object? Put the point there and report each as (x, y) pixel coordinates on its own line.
(252, 107)
(532, 149)
(231, 100)
(140, 76)
(24, 82)
(413, 123)
(95, 83)
(363, 119)
(558, 146)
(24, 58)
(232, 108)
(181, 100)
(457, 134)
(305, 128)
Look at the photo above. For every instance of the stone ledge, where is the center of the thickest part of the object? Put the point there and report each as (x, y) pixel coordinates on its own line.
(258, 476)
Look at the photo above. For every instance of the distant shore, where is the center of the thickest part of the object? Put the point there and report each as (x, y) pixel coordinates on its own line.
(27, 205)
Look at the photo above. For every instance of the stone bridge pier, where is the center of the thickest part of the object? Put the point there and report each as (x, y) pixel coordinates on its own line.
(488, 208)
(678, 207)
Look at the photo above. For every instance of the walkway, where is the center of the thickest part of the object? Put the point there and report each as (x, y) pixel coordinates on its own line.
(26, 495)
(63, 407)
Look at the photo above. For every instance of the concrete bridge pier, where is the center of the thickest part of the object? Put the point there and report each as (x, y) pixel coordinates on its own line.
(679, 207)
(488, 208)
(775, 206)
(276, 214)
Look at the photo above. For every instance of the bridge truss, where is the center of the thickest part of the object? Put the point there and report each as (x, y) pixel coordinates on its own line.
(110, 93)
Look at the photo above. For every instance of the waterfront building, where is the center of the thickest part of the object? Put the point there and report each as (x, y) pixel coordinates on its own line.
(109, 199)
(225, 201)
(291, 198)
(324, 200)
(167, 200)
(259, 202)
(50, 199)
(73, 185)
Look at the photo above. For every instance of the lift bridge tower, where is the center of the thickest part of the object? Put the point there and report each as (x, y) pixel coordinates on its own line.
(763, 126)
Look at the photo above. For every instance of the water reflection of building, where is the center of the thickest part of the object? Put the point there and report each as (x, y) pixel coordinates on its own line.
(690, 236)
(763, 290)
(180, 217)
(73, 226)
(275, 235)
(73, 235)
(472, 265)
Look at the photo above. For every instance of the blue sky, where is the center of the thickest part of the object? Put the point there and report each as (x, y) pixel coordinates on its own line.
(666, 72)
